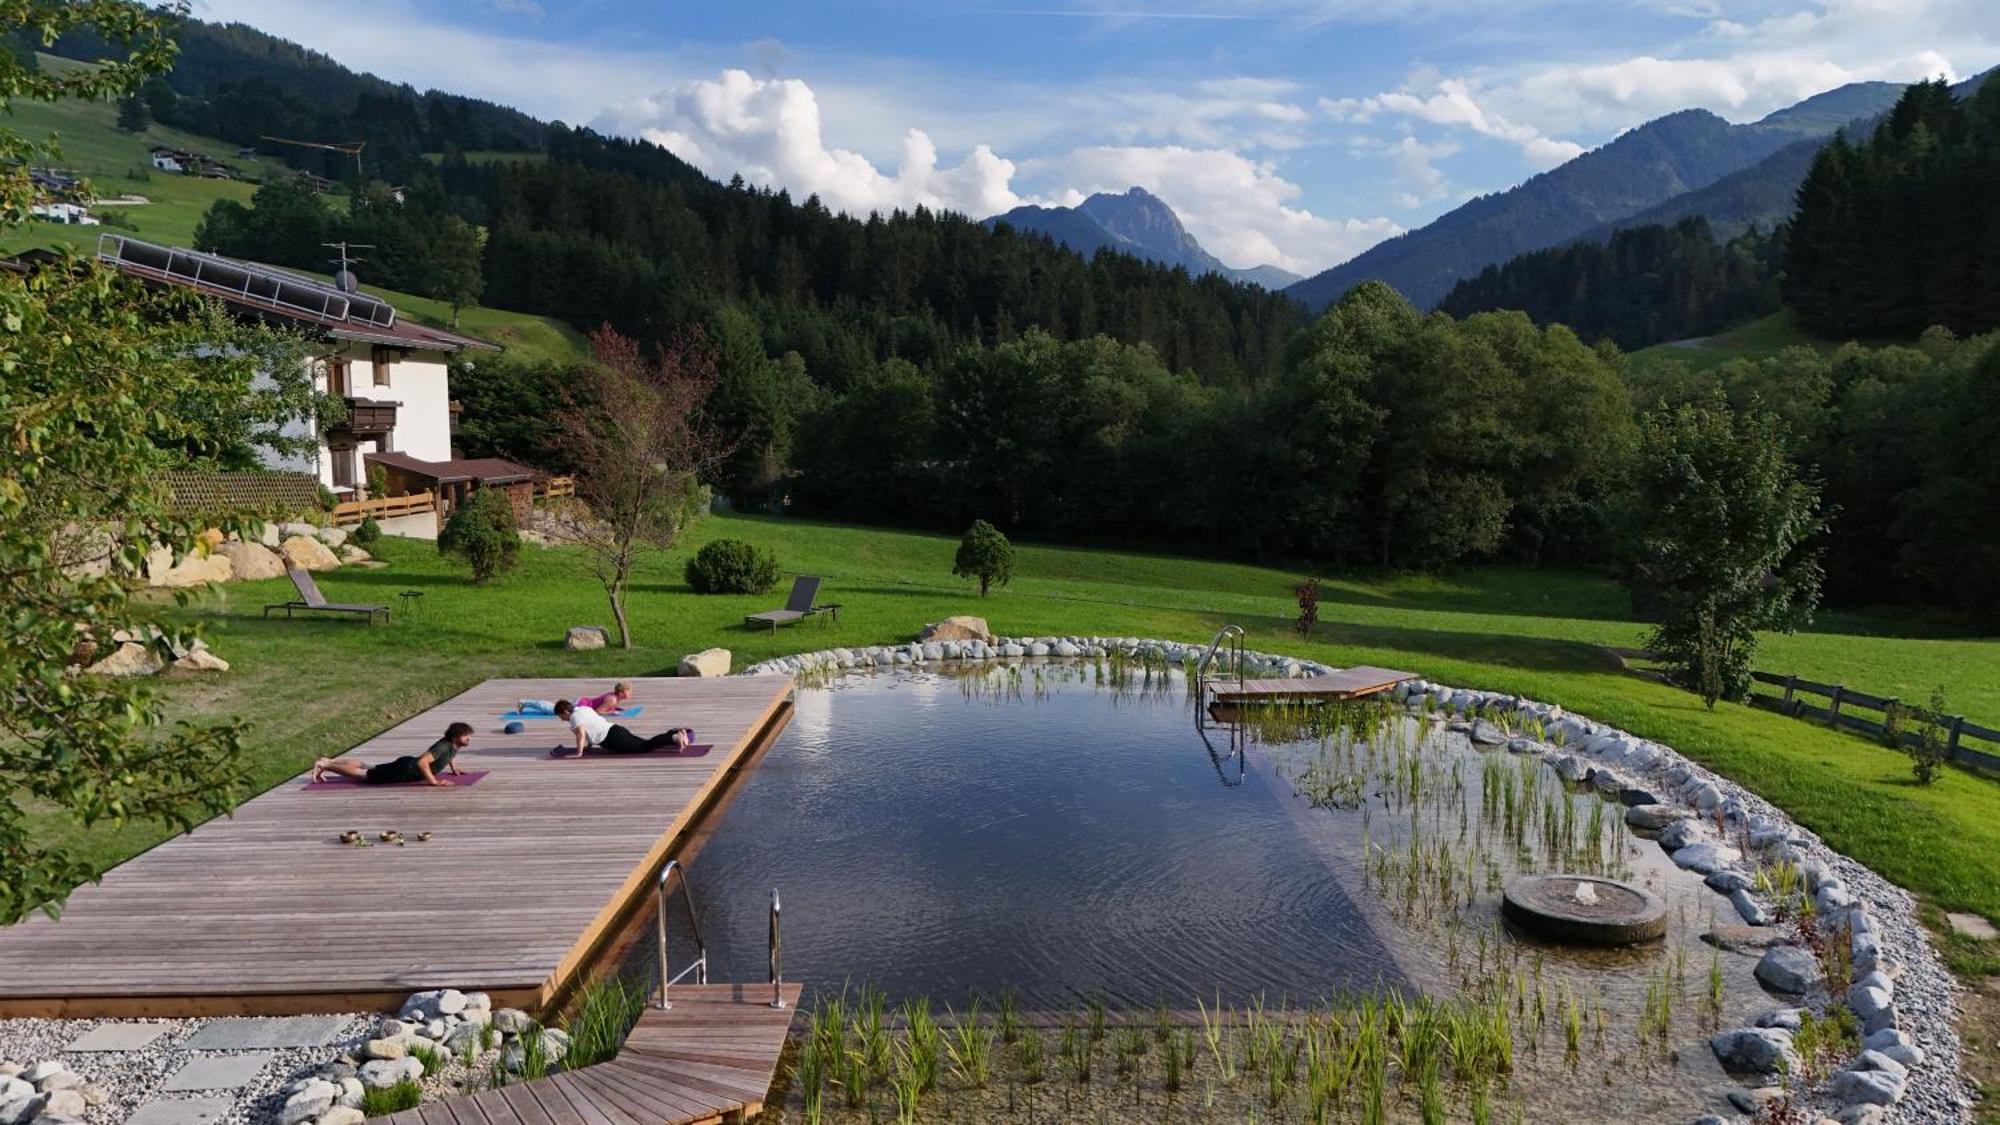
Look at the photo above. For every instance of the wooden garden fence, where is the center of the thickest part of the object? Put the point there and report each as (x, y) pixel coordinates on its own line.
(1846, 708)
(350, 512)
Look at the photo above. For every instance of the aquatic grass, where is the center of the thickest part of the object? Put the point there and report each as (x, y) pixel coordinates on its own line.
(1074, 1052)
(811, 1073)
(380, 1101)
(1096, 1016)
(921, 1035)
(605, 1012)
(1028, 1057)
(1173, 1064)
(970, 1047)
(1215, 1032)
(907, 1081)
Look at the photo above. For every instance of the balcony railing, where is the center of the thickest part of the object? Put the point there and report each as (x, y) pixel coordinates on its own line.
(365, 416)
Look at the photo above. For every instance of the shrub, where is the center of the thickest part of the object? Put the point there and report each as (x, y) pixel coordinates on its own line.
(984, 554)
(368, 532)
(378, 1102)
(482, 533)
(327, 498)
(1931, 749)
(731, 566)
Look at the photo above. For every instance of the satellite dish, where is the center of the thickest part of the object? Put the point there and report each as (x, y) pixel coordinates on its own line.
(345, 282)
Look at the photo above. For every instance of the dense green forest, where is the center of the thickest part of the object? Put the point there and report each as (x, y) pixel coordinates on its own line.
(1641, 287)
(1901, 230)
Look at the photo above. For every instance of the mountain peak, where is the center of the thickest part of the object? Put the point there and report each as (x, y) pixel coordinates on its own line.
(1136, 222)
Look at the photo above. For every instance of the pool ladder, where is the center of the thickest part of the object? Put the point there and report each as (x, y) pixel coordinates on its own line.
(1233, 655)
(699, 966)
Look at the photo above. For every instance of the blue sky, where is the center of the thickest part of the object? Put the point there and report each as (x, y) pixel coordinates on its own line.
(1294, 132)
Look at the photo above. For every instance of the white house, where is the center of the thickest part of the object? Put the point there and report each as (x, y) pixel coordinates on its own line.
(390, 372)
(168, 160)
(69, 213)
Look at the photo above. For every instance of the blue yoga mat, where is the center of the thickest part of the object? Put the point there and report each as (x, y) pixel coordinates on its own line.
(627, 713)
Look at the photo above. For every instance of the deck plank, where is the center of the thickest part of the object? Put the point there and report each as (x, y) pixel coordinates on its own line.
(544, 852)
(1345, 683)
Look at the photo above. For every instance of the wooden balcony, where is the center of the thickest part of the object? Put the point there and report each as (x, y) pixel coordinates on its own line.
(366, 417)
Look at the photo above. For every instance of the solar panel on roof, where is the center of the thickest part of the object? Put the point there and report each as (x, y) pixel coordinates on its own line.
(252, 281)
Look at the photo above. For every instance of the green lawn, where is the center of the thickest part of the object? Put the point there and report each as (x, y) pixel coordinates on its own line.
(1757, 339)
(313, 687)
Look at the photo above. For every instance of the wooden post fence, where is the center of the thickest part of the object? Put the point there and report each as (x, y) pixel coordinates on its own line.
(1843, 705)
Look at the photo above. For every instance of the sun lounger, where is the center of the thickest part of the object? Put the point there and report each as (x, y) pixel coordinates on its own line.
(798, 607)
(311, 598)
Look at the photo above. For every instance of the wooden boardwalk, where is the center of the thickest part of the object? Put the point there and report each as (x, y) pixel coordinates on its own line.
(709, 1058)
(1348, 683)
(265, 912)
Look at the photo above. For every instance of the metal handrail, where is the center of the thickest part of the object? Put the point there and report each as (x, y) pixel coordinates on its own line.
(1234, 634)
(699, 967)
(777, 955)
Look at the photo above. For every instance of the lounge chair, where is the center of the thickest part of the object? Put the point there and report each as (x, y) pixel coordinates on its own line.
(311, 598)
(797, 608)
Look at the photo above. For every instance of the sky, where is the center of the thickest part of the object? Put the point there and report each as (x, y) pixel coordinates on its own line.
(1295, 133)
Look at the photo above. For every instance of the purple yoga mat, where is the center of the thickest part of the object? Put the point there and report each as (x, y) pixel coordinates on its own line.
(335, 781)
(568, 753)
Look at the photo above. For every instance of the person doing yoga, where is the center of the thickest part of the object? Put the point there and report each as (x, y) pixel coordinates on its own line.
(425, 767)
(610, 703)
(592, 729)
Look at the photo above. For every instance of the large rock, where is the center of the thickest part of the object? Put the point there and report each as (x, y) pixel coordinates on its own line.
(1655, 817)
(582, 637)
(1707, 858)
(1896, 1045)
(384, 1073)
(343, 1115)
(196, 569)
(307, 553)
(707, 662)
(1681, 833)
(1868, 1087)
(959, 628)
(1788, 968)
(250, 562)
(309, 1103)
(332, 536)
(129, 659)
(20, 1110)
(1754, 1049)
(1739, 939)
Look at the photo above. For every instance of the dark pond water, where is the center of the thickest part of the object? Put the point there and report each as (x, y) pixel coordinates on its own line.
(945, 837)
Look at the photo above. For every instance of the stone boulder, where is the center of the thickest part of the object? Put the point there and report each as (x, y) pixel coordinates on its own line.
(384, 1073)
(250, 562)
(707, 662)
(1707, 858)
(959, 628)
(581, 637)
(1756, 1050)
(332, 536)
(1788, 968)
(199, 658)
(128, 659)
(1868, 1087)
(195, 570)
(1741, 939)
(308, 553)
(349, 553)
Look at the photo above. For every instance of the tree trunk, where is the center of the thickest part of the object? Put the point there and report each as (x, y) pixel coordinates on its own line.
(616, 591)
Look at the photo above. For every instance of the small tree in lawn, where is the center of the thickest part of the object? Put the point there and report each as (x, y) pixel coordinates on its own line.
(984, 554)
(634, 427)
(1724, 547)
(483, 533)
(1308, 592)
(1931, 748)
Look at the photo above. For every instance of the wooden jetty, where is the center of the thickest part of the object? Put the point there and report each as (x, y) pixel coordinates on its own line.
(1347, 683)
(265, 912)
(710, 1057)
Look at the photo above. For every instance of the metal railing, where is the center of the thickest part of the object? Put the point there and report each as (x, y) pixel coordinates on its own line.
(699, 967)
(777, 955)
(1234, 635)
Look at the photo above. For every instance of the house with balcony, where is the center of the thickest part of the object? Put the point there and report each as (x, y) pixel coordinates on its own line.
(390, 373)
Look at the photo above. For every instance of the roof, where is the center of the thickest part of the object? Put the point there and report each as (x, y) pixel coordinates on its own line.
(358, 317)
(485, 470)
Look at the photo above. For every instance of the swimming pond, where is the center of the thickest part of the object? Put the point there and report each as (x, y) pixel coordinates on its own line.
(1070, 832)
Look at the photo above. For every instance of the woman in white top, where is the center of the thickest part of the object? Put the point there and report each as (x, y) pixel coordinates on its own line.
(592, 729)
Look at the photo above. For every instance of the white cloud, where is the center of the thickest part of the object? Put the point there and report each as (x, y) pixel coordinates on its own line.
(1240, 210)
(1450, 102)
(769, 132)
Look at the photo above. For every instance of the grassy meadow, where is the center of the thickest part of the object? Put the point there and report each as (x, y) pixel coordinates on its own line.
(320, 686)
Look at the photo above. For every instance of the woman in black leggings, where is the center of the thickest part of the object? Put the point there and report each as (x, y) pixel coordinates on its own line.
(592, 729)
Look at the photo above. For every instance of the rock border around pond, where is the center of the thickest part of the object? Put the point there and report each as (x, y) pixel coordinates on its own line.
(1908, 1069)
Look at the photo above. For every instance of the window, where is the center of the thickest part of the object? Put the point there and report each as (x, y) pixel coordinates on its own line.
(382, 357)
(336, 376)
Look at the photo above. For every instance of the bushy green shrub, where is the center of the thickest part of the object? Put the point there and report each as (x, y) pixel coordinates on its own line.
(368, 532)
(482, 533)
(731, 566)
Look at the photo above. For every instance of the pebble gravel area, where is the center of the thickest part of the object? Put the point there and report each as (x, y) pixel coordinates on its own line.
(1937, 1091)
(131, 1078)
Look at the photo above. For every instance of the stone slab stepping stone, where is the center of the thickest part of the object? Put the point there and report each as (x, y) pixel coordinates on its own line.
(219, 1072)
(242, 1033)
(1973, 926)
(119, 1037)
(181, 1111)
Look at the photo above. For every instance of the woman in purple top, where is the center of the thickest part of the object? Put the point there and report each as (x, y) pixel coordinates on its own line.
(610, 703)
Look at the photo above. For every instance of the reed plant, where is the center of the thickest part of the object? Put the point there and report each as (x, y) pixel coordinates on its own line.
(970, 1047)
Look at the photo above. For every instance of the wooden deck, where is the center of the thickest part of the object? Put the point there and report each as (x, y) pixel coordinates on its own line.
(1348, 683)
(265, 912)
(709, 1058)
